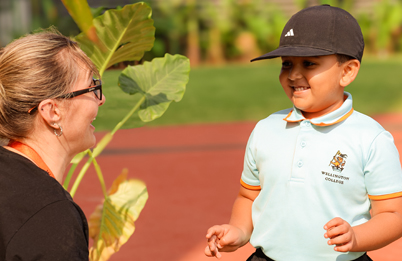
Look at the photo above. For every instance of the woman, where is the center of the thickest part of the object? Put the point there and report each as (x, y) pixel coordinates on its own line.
(48, 101)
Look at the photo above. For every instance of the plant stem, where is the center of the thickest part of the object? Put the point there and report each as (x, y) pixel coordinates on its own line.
(80, 176)
(75, 161)
(99, 173)
(118, 126)
(69, 175)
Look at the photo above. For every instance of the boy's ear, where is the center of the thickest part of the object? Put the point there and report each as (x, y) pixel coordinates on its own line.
(49, 111)
(349, 72)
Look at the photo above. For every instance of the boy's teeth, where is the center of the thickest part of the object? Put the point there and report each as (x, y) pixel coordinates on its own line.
(300, 88)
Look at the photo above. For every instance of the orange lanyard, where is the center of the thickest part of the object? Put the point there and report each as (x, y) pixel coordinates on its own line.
(32, 154)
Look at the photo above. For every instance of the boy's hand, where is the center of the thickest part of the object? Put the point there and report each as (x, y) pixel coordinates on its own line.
(224, 238)
(341, 234)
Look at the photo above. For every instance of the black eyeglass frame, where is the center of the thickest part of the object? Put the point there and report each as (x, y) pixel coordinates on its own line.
(97, 86)
(94, 88)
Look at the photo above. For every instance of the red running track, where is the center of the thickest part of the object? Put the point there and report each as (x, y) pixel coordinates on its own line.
(192, 174)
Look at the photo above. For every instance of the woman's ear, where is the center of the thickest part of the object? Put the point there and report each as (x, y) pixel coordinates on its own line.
(49, 111)
(349, 72)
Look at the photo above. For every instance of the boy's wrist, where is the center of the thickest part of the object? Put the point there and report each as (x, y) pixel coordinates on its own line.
(243, 234)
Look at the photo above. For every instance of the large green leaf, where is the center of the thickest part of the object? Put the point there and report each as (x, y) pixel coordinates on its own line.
(82, 15)
(126, 35)
(112, 223)
(160, 82)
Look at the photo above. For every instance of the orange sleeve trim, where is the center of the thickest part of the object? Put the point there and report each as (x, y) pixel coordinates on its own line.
(286, 118)
(344, 117)
(388, 196)
(247, 186)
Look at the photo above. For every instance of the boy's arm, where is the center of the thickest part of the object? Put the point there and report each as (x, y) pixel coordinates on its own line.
(384, 227)
(241, 212)
(229, 237)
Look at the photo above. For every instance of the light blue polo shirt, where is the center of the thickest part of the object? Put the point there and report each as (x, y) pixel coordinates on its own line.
(311, 171)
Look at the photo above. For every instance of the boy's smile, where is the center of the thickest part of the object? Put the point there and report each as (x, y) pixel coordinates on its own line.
(313, 84)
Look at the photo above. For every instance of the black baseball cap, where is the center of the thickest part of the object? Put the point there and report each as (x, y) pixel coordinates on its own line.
(320, 30)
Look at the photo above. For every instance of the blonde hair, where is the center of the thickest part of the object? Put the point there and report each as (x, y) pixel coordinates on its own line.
(36, 67)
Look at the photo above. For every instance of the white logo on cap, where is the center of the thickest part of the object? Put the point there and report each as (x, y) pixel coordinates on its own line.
(290, 33)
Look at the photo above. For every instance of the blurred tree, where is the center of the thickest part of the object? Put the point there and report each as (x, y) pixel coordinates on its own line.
(6, 29)
(366, 22)
(210, 30)
(172, 22)
(265, 21)
(52, 12)
(386, 26)
(193, 34)
(178, 29)
(15, 19)
(344, 4)
(301, 4)
(218, 16)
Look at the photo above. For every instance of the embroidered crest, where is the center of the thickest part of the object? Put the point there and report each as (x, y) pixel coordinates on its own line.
(338, 161)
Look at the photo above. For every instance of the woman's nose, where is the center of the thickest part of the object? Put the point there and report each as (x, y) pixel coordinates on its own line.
(101, 102)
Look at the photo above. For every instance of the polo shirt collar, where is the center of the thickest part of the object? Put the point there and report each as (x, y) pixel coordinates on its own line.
(340, 114)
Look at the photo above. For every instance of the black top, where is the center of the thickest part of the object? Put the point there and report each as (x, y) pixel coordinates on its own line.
(38, 218)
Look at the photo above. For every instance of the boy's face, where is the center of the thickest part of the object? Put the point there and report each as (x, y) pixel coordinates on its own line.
(313, 83)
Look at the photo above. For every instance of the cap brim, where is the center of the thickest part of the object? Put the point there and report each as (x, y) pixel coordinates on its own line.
(293, 51)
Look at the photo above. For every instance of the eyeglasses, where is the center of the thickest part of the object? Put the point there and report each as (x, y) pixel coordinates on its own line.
(96, 88)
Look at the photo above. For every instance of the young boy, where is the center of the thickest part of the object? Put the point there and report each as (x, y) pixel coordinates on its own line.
(313, 173)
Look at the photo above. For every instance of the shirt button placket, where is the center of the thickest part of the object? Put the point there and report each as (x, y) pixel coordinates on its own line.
(300, 164)
(298, 172)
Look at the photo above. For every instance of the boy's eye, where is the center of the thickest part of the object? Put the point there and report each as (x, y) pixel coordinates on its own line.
(286, 64)
(308, 63)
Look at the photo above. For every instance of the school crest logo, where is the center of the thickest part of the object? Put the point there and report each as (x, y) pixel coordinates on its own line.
(338, 161)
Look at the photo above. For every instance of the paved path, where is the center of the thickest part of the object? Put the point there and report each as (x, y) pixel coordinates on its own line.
(192, 174)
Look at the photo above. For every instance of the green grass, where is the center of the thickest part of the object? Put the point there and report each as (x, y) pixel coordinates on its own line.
(250, 92)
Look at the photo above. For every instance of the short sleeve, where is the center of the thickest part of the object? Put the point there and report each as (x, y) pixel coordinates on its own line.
(250, 175)
(56, 232)
(382, 171)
